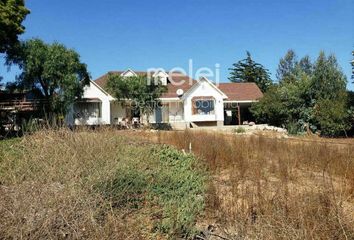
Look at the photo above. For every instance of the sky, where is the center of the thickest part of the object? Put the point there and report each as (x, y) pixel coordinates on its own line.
(116, 35)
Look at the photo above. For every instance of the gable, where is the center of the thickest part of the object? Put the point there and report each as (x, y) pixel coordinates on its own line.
(95, 91)
(160, 73)
(204, 88)
(128, 73)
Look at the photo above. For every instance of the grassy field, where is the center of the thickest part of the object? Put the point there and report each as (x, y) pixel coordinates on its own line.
(136, 185)
(97, 185)
(265, 187)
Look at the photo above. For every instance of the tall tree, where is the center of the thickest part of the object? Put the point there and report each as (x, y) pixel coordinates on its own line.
(309, 96)
(247, 70)
(55, 70)
(329, 90)
(305, 65)
(286, 67)
(138, 90)
(352, 62)
(328, 81)
(12, 14)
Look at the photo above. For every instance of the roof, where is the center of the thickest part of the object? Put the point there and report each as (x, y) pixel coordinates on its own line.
(233, 91)
(178, 81)
(102, 81)
(241, 91)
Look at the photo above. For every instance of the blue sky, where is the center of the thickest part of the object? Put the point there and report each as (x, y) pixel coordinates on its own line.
(116, 35)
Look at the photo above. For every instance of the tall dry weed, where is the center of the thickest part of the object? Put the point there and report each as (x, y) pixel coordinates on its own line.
(271, 188)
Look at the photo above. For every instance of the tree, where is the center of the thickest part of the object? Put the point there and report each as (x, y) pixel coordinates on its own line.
(12, 14)
(328, 79)
(138, 90)
(352, 62)
(248, 70)
(286, 67)
(308, 97)
(332, 116)
(271, 108)
(55, 70)
(305, 65)
(329, 90)
(286, 105)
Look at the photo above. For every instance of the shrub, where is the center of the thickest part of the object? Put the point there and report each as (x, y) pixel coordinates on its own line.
(239, 130)
(97, 185)
(179, 190)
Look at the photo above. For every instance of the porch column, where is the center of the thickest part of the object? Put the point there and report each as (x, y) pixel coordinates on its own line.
(106, 112)
(239, 114)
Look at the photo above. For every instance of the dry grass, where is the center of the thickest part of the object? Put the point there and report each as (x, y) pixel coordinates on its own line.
(271, 188)
(96, 185)
(118, 185)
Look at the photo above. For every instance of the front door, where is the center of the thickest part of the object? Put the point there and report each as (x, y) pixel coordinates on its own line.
(158, 114)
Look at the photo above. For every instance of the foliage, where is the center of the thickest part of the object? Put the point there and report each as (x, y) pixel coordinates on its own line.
(328, 79)
(239, 130)
(12, 13)
(138, 90)
(97, 185)
(173, 184)
(271, 108)
(351, 109)
(247, 70)
(352, 63)
(286, 67)
(289, 67)
(329, 115)
(55, 70)
(181, 190)
(301, 101)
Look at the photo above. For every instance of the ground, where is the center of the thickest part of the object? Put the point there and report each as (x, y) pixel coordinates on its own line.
(130, 185)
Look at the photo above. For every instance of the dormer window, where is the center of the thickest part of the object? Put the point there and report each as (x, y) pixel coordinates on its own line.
(161, 76)
(129, 73)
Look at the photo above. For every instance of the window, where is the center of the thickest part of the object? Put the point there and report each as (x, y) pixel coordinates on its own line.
(203, 106)
(88, 109)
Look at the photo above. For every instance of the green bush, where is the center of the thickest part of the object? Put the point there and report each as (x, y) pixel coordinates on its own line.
(314, 97)
(127, 188)
(170, 180)
(239, 130)
(179, 190)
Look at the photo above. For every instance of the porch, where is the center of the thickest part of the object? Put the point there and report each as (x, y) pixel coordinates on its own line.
(88, 111)
(237, 113)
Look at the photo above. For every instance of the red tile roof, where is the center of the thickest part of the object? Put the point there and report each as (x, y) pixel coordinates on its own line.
(241, 91)
(176, 81)
(234, 91)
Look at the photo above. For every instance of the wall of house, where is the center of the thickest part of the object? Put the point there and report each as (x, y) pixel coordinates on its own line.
(93, 91)
(204, 89)
(175, 111)
(171, 111)
(118, 112)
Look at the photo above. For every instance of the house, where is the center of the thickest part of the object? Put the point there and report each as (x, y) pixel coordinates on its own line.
(187, 102)
(17, 108)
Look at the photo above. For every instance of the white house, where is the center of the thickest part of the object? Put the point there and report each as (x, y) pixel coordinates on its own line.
(187, 102)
